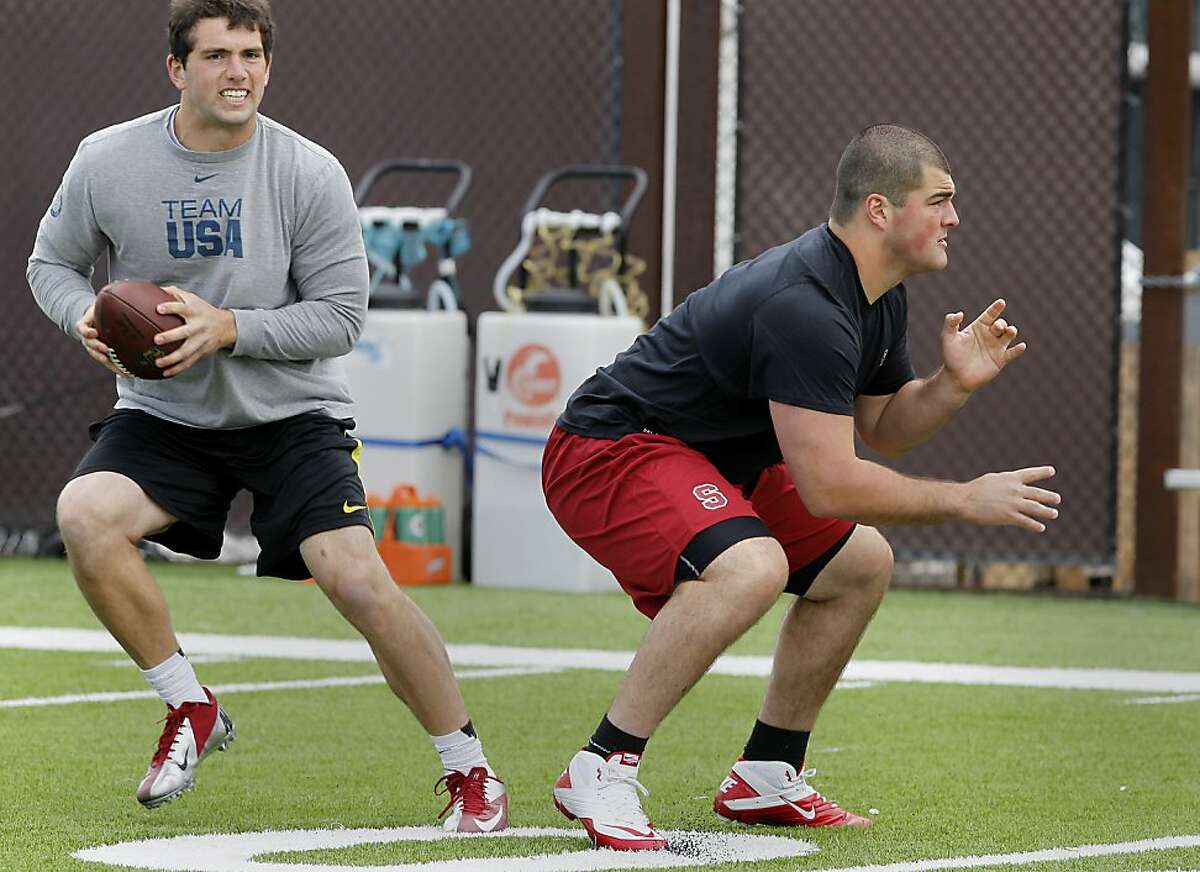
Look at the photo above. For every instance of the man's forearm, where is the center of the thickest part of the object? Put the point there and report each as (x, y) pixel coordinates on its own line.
(868, 493)
(305, 330)
(917, 411)
(61, 292)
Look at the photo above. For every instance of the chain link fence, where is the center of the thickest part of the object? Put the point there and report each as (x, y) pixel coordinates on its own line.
(1024, 97)
(513, 89)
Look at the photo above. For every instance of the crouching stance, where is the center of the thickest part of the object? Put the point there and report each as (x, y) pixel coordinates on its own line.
(712, 467)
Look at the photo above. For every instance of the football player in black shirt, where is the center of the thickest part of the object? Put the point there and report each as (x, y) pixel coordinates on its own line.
(712, 466)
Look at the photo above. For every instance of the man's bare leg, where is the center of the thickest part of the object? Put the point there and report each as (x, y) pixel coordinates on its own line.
(409, 650)
(700, 620)
(101, 517)
(819, 633)
(412, 657)
(822, 629)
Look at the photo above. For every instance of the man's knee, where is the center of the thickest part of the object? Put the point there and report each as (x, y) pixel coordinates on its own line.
(862, 567)
(757, 567)
(877, 560)
(85, 515)
(352, 577)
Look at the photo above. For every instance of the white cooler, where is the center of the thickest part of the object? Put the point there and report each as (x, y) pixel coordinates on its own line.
(408, 378)
(526, 366)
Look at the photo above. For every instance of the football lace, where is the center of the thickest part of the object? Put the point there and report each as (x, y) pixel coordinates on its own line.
(112, 355)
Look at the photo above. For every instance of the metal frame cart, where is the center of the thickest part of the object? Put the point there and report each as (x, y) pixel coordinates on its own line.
(396, 237)
(575, 261)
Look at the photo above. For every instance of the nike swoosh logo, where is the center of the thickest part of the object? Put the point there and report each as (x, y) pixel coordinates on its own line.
(198, 179)
(56, 209)
(807, 815)
(490, 824)
(187, 725)
(648, 834)
(769, 801)
(349, 509)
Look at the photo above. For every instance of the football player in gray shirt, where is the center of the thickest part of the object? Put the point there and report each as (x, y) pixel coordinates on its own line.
(254, 231)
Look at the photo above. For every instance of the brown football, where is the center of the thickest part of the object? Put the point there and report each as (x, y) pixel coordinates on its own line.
(127, 320)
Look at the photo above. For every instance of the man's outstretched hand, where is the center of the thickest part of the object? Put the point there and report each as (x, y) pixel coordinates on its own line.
(975, 355)
(1011, 499)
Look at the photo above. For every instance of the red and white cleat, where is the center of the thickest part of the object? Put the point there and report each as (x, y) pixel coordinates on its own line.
(774, 793)
(603, 796)
(192, 731)
(478, 802)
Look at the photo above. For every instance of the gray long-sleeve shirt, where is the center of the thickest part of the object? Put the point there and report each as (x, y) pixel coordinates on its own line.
(268, 230)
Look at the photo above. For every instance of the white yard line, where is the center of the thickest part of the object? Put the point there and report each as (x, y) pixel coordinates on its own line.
(236, 852)
(251, 687)
(1026, 858)
(356, 651)
(1161, 700)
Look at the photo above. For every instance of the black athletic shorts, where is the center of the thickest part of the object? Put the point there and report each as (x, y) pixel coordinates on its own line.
(301, 471)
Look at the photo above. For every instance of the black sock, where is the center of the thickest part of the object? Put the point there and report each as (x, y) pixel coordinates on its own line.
(469, 730)
(608, 740)
(774, 743)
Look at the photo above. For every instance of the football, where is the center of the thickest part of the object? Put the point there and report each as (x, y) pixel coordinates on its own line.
(127, 320)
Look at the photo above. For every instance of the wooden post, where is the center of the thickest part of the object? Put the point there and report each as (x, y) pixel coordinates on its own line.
(1188, 573)
(1164, 226)
(643, 98)
(696, 148)
(643, 36)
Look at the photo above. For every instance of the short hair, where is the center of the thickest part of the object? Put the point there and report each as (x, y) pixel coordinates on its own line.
(249, 14)
(883, 159)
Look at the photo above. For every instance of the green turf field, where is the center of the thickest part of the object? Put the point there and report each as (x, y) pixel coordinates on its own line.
(954, 770)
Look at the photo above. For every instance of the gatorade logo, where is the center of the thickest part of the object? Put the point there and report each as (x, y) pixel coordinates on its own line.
(415, 525)
(533, 375)
(710, 496)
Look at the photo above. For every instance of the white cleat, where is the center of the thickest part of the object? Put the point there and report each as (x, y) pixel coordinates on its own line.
(603, 796)
(192, 731)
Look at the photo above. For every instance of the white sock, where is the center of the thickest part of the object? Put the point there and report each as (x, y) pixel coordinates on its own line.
(460, 752)
(175, 681)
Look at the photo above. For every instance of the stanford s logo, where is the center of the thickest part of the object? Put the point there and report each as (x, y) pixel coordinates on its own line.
(710, 496)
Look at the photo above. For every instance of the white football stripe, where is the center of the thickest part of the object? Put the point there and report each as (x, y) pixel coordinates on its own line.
(1160, 700)
(1026, 858)
(357, 651)
(254, 687)
(235, 852)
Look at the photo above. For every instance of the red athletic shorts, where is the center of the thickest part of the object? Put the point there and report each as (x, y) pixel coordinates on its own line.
(652, 510)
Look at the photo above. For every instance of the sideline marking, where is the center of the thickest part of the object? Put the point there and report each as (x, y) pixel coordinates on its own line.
(1160, 700)
(302, 684)
(1026, 858)
(357, 651)
(220, 852)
